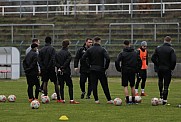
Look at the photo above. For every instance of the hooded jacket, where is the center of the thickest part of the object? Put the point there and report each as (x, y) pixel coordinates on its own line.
(130, 60)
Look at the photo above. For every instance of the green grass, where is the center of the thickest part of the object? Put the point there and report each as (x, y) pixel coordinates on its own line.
(87, 110)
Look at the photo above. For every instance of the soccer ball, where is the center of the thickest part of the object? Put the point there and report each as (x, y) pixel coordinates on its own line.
(2, 98)
(45, 99)
(54, 96)
(154, 101)
(11, 98)
(35, 104)
(138, 99)
(160, 101)
(117, 102)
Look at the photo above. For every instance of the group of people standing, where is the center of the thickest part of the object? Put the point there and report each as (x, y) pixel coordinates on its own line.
(94, 61)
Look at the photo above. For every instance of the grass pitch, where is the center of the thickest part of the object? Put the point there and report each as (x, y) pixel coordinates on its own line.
(87, 110)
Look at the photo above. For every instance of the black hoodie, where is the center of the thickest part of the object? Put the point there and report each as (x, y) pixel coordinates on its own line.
(130, 60)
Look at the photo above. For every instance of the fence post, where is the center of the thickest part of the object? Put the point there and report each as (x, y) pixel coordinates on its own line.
(12, 38)
(47, 9)
(3, 11)
(20, 9)
(33, 10)
(155, 26)
(97, 9)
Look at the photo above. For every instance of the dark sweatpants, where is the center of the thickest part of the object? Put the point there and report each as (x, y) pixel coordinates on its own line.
(142, 76)
(62, 79)
(164, 82)
(95, 76)
(83, 79)
(31, 81)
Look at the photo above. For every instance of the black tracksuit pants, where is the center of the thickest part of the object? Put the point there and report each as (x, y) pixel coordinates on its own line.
(95, 76)
(31, 81)
(65, 78)
(142, 76)
(164, 82)
(83, 79)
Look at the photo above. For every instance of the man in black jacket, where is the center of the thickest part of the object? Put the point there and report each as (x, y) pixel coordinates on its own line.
(84, 68)
(31, 71)
(47, 66)
(164, 59)
(130, 63)
(99, 62)
(62, 60)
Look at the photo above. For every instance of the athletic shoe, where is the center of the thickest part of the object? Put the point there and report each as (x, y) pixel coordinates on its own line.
(166, 104)
(143, 94)
(134, 103)
(60, 101)
(82, 95)
(136, 94)
(87, 97)
(30, 100)
(37, 99)
(110, 102)
(74, 102)
(97, 102)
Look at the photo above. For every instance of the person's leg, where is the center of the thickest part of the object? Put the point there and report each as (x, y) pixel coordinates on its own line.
(167, 80)
(104, 84)
(137, 83)
(83, 79)
(53, 78)
(45, 78)
(61, 84)
(160, 83)
(89, 86)
(125, 85)
(144, 76)
(131, 77)
(30, 88)
(69, 83)
(37, 85)
(94, 81)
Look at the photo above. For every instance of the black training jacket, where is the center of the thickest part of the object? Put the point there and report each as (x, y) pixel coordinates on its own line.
(130, 60)
(164, 57)
(47, 58)
(84, 65)
(30, 63)
(98, 58)
(62, 60)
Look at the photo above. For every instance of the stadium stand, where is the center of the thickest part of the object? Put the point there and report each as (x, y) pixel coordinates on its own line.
(84, 25)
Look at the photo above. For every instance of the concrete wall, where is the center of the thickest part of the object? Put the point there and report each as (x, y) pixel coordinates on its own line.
(150, 72)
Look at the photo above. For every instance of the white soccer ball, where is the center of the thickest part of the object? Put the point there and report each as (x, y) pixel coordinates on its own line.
(2, 98)
(138, 99)
(154, 101)
(117, 102)
(45, 99)
(11, 98)
(35, 104)
(54, 96)
(160, 101)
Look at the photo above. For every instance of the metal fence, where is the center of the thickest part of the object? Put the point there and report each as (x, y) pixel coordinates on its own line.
(26, 25)
(73, 9)
(154, 27)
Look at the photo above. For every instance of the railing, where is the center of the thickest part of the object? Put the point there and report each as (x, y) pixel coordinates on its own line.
(154, 27)
(73, 9)
(32, 25)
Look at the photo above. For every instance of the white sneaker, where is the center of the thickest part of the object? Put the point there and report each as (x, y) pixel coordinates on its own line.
(97, 102)
(110, 102)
